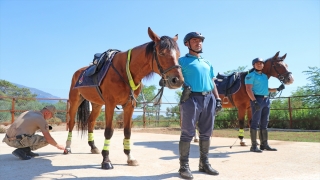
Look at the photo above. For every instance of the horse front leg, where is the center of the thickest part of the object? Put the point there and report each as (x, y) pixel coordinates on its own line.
(128, 111)
(91, 123)
(108, 132)
(73, 106)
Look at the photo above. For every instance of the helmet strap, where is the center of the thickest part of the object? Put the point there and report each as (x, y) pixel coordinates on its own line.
(198, 52)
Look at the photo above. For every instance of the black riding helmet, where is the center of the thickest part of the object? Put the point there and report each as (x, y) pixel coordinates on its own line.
(193, 35)
(257, 60)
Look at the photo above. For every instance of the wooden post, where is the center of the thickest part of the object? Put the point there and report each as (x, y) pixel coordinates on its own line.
(67, 116)
(144, 116)
(12, 110)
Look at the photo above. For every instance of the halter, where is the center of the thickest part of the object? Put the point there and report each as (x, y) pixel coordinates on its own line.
(279, 76)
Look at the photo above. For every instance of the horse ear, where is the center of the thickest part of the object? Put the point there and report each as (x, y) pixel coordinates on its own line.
(284, 56)
(276, 55)
(153, 35)
(175, 38)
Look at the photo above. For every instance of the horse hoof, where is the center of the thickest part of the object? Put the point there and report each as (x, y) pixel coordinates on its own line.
(133, 163)
(243, 143)
(106, 165)
(67, 151)
(95, 151)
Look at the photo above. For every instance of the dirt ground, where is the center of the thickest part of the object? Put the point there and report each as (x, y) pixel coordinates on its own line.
(157, 153)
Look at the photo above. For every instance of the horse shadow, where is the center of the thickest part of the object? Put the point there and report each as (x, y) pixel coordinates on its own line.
(194, 149)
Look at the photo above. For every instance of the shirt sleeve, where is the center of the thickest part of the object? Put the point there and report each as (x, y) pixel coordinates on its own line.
(249, 79)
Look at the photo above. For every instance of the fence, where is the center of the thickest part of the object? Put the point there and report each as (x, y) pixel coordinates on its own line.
(298, 112)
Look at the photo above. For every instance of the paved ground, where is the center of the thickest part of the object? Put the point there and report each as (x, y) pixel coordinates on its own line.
(157, 155)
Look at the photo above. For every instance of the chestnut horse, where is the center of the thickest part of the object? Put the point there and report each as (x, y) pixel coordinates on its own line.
(275, 67)
(121, 86)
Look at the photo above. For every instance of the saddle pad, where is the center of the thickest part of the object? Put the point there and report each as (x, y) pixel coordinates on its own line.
(95, 80)
(223, 88)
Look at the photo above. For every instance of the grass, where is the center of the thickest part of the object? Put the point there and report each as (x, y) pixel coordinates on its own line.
(273, 135)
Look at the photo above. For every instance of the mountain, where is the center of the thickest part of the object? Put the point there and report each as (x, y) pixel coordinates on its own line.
(40, 94)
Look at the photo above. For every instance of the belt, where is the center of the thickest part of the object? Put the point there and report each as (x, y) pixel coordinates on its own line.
(200, 93)
(260, 96)
(19, 137)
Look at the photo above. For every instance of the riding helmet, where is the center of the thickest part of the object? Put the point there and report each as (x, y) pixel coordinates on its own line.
(193, 35)
(257, 60)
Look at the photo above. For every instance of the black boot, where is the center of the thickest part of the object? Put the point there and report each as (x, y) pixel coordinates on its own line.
(254, 147)
(29, 152)
(204, 165)
(184, 171)
(264, 145)
(21, 154)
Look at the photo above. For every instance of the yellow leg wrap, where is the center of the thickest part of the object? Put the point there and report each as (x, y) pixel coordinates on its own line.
(126, 144)
(241, 132)
(69, 136)
(90, 137)
(106, 144)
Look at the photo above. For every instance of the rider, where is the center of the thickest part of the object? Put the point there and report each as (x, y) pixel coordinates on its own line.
(257, 88)
(198, 104)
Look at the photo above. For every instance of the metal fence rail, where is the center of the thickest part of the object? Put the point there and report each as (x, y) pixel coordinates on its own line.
(286, 112)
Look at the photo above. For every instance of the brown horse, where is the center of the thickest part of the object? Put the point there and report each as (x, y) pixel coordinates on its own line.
(275, 67)
(121, 86)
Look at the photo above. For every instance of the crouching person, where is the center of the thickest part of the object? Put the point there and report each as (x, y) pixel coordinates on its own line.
(21, 133)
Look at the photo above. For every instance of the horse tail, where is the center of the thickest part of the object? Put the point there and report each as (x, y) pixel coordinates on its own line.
(83, 116)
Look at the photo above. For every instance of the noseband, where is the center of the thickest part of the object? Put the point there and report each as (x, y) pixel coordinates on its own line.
(281, 77)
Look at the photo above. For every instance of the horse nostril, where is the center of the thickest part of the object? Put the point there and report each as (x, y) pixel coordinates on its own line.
(174, 80)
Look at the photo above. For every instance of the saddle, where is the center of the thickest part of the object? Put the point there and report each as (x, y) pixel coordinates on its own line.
(98, 61)
(228, 84)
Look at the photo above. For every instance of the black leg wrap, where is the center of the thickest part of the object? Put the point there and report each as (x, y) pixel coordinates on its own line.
(264, 138)
(184, 171)
(254, 147)
(204, 165)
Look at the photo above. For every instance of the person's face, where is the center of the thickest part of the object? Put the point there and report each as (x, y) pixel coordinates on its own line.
(259, 65)
(195, 44)
(48, 114)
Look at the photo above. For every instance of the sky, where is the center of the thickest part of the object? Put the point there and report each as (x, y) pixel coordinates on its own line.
(42, 43)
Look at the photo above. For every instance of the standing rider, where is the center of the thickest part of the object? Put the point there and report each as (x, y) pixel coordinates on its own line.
(257, 88)
(198, 104)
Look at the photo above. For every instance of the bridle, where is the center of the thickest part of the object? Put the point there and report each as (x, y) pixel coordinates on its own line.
(281, 77)
(164, 79)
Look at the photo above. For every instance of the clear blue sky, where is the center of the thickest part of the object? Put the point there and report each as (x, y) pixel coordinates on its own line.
(42, 43)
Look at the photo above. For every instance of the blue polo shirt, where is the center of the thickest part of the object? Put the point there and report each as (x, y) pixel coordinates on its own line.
(259, 83)
(197, 73)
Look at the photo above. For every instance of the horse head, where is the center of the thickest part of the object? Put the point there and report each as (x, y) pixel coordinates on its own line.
(276, 67)
(166, 54)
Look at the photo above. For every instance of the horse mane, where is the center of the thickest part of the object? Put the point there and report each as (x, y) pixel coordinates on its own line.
(166, 42)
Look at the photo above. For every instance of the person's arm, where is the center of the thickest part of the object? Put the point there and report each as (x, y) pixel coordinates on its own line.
(215, 91)
(250, 92)
(51, 141)
(272, 90)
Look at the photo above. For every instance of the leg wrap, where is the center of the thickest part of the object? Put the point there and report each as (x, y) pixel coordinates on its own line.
(126, 144)
(106, 145)
(90, 137)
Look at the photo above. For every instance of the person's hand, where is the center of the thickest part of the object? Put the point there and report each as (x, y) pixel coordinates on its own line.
(280, 88)
(218, 105)
(256, 105)
(60, 147)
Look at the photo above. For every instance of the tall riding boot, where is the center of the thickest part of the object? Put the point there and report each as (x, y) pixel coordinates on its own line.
(29, 152)
(265, 145)
(204, 165)
(254, 147)
(184, 171)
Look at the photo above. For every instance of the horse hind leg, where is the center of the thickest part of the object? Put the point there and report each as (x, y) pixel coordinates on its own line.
(74, 101)
(241, 117)
(96, 109)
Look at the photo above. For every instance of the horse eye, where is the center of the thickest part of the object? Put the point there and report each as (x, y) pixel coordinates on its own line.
(161, 54)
